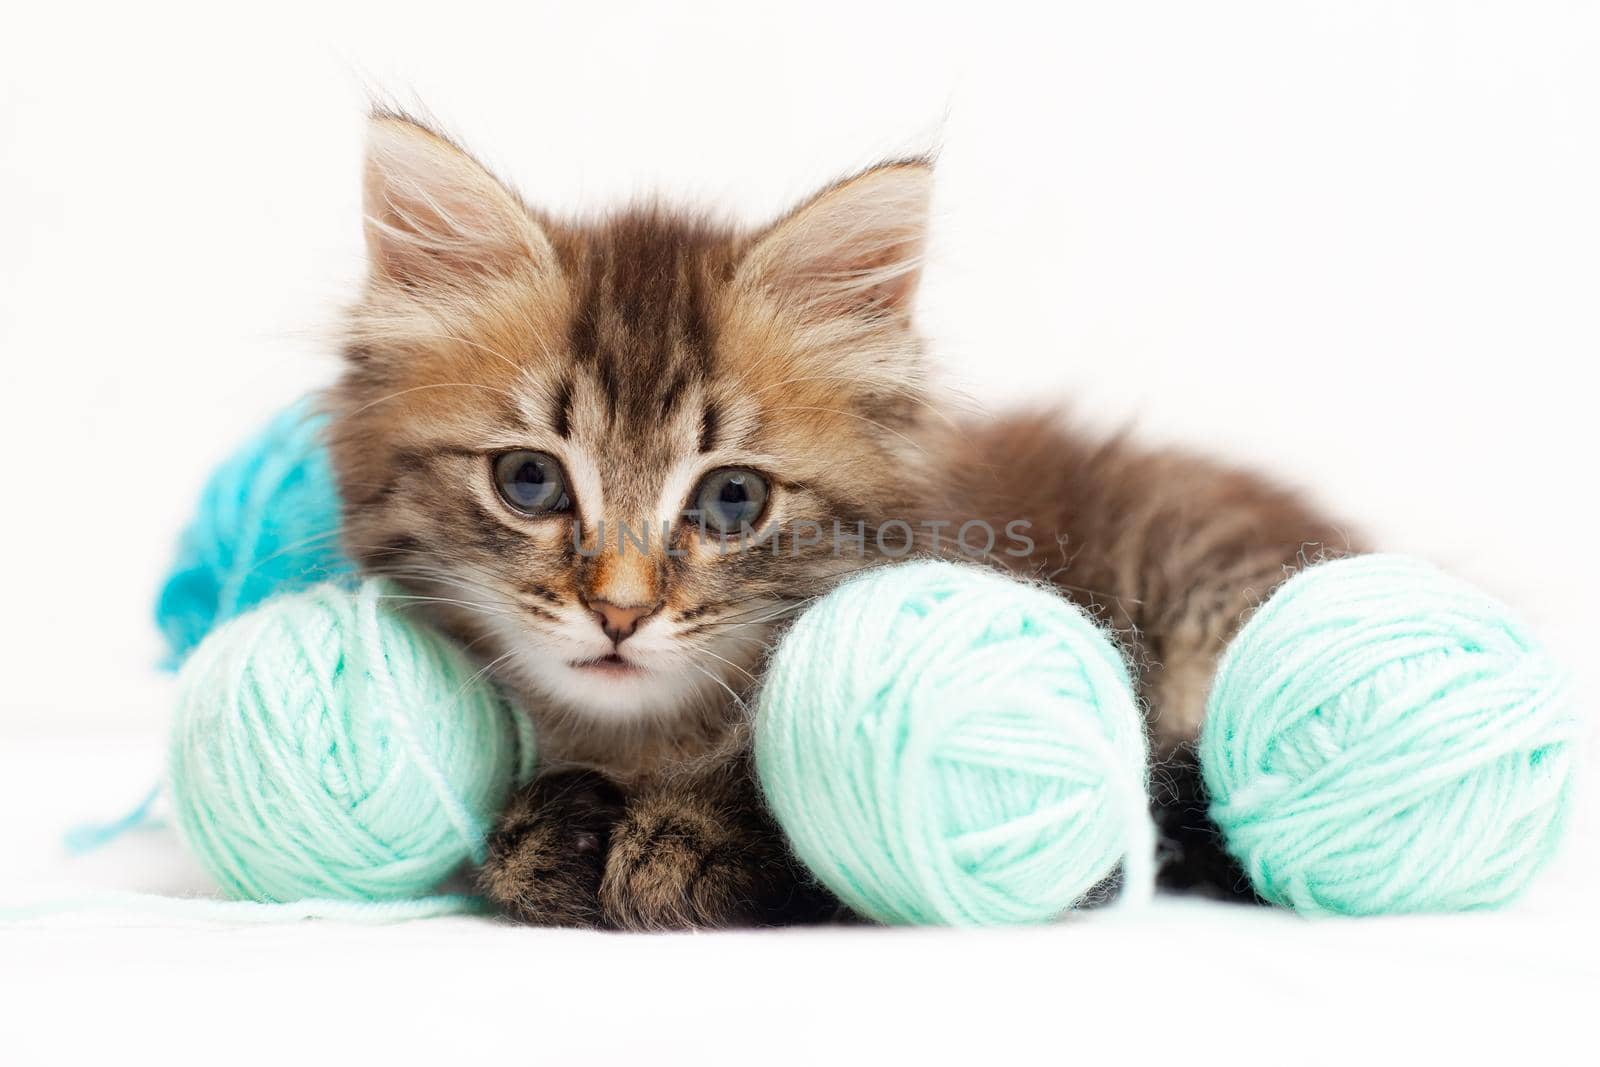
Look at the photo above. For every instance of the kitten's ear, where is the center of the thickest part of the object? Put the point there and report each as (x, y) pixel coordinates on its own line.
(435, 216)
(855, 247)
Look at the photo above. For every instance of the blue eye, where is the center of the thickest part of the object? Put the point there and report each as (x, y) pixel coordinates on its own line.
(730, 499)
(531, 482)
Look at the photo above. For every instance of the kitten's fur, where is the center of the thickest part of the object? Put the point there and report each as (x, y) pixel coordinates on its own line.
(649, 347)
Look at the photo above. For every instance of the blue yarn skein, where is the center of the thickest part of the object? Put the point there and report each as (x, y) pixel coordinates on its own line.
(327, 748)
(945, 745)
(267, 521)
(1382, 737)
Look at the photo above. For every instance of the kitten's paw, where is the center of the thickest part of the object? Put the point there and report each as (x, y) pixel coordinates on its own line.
(547, 855)
(679, 864)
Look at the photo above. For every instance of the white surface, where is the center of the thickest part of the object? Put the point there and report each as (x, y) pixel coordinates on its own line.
(1185, 982)
(1354, 243)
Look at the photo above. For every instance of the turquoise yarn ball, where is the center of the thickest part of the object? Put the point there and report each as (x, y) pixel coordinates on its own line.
(1382, 737)
(268, 520)
(327, 748)
(945, 745)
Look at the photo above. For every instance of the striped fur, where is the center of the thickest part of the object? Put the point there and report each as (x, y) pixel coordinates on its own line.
(643, 350)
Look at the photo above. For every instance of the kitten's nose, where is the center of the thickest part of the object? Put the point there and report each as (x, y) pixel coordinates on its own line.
(620, 620)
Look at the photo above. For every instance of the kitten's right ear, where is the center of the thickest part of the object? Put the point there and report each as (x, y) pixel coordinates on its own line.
(436, 217)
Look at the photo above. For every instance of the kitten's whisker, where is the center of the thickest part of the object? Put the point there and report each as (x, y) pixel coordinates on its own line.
(956, 552)
(468, 646)
(411, 605)
(737, 699)
(863, 418)
(435, 385)
(462, 339)
(442, 577)
(903, 392)
(485, 669)
(925, 543)
(482, 609)
(729, 662)
(289, 549)
(723, 620)
(414, 566)
(771, 615)
(496, 599)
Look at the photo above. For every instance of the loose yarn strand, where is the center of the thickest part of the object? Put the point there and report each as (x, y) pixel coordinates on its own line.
(198, 909)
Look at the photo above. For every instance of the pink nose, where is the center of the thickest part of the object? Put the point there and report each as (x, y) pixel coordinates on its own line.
(620, 620)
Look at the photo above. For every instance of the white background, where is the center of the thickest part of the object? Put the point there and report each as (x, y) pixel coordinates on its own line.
(1355, 243)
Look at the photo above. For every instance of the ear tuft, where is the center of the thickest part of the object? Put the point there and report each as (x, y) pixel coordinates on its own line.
(435, 216)
(854, 248)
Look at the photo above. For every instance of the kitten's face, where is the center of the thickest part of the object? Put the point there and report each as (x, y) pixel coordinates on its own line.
(519, 390)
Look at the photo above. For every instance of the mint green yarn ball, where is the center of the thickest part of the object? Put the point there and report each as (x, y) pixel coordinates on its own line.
(1382, 737)
(326, 747)
(945, 745)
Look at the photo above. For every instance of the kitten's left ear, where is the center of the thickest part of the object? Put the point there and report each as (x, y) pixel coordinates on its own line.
(855, 247)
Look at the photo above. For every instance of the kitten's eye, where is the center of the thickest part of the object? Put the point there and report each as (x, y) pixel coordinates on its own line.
(531, 482)
(730, 499)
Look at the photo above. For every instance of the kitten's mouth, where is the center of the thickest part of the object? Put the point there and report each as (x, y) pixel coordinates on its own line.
(613, 665)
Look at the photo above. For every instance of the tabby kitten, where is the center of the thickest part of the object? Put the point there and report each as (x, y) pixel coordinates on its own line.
(551, 434)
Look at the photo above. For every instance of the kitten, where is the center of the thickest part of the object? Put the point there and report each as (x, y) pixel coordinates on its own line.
(553, 435)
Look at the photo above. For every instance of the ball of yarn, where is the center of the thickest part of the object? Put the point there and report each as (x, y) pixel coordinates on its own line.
(945, 745)
(325, 747)
(267, 521)
(1382, 737)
